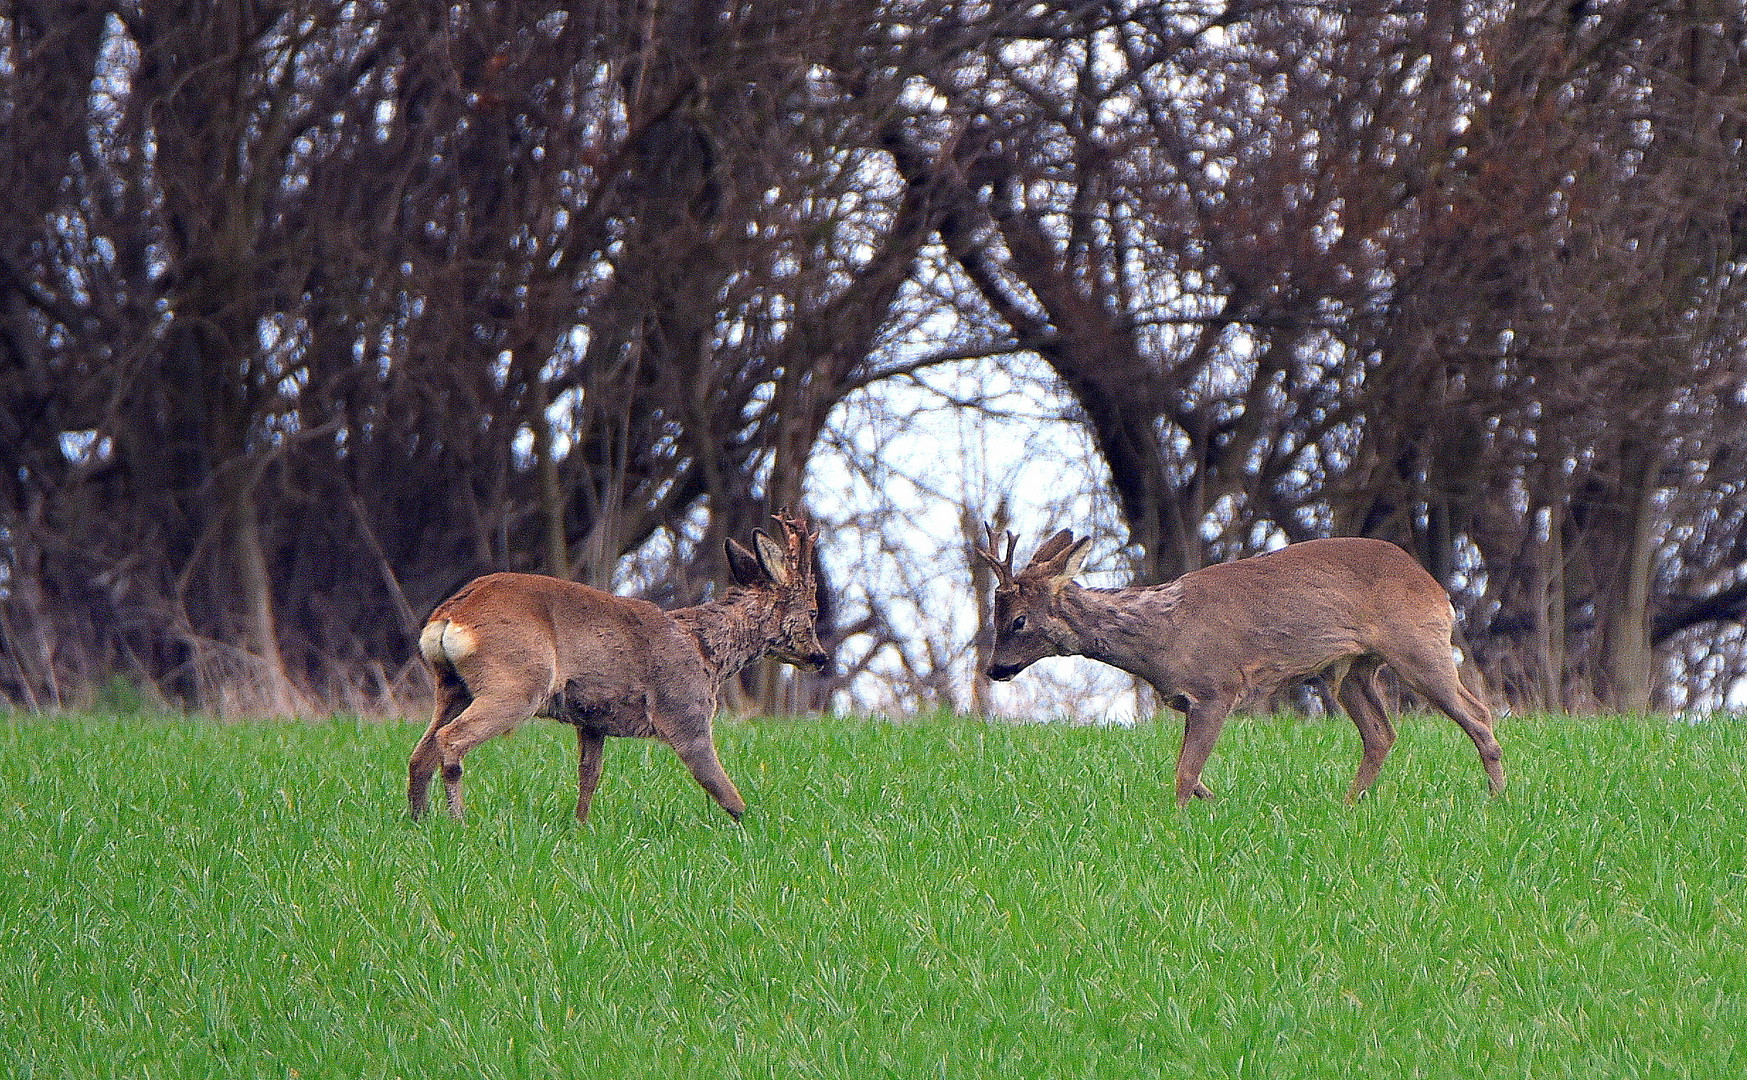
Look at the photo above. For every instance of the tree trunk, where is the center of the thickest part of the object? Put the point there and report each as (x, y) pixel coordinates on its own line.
(256, 586)
(1628, 660)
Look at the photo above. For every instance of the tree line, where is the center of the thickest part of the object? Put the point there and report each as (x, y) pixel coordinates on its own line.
(311, 311)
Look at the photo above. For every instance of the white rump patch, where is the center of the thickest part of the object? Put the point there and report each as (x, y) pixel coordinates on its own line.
(446, 642)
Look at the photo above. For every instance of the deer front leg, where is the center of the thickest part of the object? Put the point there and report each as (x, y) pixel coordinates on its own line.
(1432, 673)
(685, 726)
(1202, 722)
(590, 749)
(699, 755)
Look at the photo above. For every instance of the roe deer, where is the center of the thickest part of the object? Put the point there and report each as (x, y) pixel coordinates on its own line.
(1335, 608)
(511, 646)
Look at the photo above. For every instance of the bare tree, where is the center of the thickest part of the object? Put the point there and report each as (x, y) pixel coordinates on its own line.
(308, 314)
(329, 307)
(1461, 283)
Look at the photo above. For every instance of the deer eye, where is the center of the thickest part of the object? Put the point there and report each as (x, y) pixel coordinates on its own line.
(1018, 623)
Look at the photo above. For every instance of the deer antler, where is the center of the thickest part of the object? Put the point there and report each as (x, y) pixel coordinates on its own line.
(1002, 564)
(800, 541)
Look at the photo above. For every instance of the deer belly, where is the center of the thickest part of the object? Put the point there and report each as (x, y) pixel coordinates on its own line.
(627, 718)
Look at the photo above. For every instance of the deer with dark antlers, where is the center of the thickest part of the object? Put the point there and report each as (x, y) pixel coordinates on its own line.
(1340, 609)
(508, 647)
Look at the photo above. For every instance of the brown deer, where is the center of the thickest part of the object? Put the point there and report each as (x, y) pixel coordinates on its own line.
(511, 646)
(1339, 608)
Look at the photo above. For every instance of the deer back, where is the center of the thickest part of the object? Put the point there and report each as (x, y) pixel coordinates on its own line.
(587, 650)
(1292, 612)
(1264, 619)
(533, 632)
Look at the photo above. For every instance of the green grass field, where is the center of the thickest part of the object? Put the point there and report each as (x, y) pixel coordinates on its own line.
(944, 898)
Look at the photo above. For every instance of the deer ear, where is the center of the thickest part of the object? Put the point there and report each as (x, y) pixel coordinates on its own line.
(772, 558)
(743, 564)
(1051, 548)
(1066, 564)
(1076, 558)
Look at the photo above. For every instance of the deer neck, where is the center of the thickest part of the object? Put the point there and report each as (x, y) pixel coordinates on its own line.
(731, 631)
(1121, 627)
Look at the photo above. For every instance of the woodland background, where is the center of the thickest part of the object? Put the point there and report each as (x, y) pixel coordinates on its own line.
(310, 311)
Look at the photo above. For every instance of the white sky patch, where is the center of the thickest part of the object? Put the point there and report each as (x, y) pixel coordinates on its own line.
(902, 465)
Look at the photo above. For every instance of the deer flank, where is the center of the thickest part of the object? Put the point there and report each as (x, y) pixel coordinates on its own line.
(508, 647)
(1339, 609)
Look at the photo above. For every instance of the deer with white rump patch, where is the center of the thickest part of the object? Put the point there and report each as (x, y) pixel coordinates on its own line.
(1338, 608)
(511, 646)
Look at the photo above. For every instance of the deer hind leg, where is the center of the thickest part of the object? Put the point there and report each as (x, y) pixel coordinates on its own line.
(492, 712)
(1357, 690)
(451, 698)
(1202, 721)
(590, 746)
(1432, 674)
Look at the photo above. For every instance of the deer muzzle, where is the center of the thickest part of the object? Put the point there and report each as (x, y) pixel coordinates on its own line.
(818, 661)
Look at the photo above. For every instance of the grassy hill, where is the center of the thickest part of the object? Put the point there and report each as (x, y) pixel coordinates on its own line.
(941, 898)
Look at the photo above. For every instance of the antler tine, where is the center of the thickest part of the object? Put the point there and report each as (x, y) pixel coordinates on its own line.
(800, 539)
(1002, 563)
(794, 528)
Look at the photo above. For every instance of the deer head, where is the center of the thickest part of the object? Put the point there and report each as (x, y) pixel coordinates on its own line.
(1027, 614)
(787, 572)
